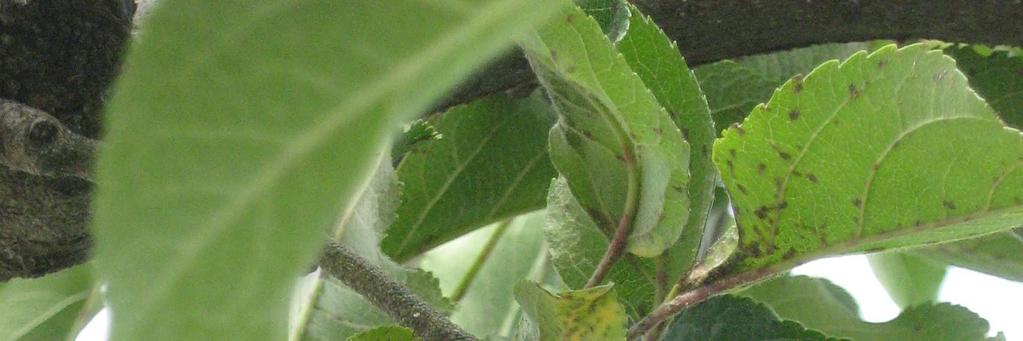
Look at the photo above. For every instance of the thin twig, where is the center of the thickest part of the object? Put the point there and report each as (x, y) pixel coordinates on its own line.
(614, 251)
(401, 304)
(695, 296)
(481, 259)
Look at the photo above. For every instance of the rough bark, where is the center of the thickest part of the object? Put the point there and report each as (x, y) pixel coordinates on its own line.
(58, 57)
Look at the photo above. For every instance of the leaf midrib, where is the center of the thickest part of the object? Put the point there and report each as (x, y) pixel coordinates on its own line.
(346, 111)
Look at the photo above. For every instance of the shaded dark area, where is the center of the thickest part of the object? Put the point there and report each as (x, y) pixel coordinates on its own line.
(60, 57)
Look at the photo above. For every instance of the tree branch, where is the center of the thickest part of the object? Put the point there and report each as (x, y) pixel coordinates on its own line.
(695, 296)
(35, 142)
(404, 306)
(712, 30)
(57, 60)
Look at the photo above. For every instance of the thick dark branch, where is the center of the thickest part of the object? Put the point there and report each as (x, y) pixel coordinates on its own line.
(57, 60)
(404, 306)
(712, 30)
(35, 142)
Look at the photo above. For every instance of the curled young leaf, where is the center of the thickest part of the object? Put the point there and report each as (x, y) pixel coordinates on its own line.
(623, 157)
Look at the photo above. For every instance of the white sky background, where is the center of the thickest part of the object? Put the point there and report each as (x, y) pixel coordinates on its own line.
(995, 299)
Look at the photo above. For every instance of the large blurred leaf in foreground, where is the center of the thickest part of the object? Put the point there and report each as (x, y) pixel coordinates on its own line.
(240, 130)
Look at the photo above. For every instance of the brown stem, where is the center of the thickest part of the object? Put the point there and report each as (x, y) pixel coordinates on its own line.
(712, 30)
(614, 251)
(401, 304)
(695, 296)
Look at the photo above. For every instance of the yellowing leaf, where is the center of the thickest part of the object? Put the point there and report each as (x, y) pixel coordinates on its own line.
(589, 314)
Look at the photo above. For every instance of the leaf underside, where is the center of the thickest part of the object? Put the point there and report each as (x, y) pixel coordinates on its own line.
(618, 149)
(227, 155)
(490, 163)
(887, 150)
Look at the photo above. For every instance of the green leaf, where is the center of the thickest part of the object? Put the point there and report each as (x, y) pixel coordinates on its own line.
(46, 308)
(239, 131)
(488, 306)
(623, 157)
(490, 164)
(821, 305)
(882, 151)
(998, 255)
(590, 314)
(998, 77)
(658, 63)
(611, 15)
(388, 333)
(778, 67)
(909, 279)
(733, 88)
(735, 318)
(333, 311)
(576, 246)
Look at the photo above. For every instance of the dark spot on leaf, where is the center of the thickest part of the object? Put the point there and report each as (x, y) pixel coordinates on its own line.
(685, 133)
(785, 156)
(731, 166)
(658, 131)
(783, 204)
(761, 212)
(949, 204)
(811, 177)
(678, 188)
(881, 63)
(569, 18)
(797, 83)
(586, 133)
(761, 168)
(673, 114)
(731, 152)
(794, 114)
(853, 91)
(875, 166)
(918, 223)
(620, 158)
(738, 129)
(741, 189)
(778, 183)
(797, 173)
(857, 202)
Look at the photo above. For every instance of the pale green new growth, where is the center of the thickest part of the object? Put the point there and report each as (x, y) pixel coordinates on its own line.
(589, 314)
(656, 60)
(240, 130)
(623, 157)
(887, 150)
